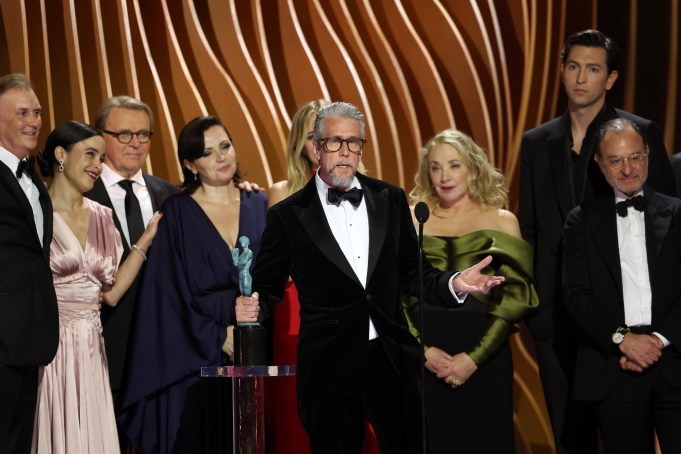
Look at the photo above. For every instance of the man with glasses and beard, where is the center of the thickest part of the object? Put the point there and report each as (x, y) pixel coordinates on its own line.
(349, 244)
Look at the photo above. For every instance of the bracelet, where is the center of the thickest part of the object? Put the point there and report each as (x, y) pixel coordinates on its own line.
(140, 251)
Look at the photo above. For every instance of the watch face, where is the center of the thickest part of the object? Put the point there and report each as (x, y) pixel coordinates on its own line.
(617, 338)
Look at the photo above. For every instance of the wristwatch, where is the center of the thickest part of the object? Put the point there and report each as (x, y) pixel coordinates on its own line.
(618, 336)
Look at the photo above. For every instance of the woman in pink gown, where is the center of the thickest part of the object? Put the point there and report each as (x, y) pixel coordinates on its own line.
(75, 410)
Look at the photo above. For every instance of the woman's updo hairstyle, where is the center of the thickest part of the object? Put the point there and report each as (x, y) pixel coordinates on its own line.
(66, 135)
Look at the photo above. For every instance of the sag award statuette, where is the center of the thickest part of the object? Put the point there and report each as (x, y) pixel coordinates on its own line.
(249, 338)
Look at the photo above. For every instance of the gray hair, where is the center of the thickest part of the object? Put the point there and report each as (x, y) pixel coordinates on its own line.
(124, 102)
(15, 81)
(338, 110)
(617, 126)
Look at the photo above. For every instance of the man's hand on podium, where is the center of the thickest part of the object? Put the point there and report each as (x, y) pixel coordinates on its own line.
(247, 308)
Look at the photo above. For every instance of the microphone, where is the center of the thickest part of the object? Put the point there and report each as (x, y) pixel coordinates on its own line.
(422, 213)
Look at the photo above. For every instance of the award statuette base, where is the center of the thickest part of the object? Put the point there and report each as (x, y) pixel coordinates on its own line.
(250, 345)
(248, 394)
(248, 391)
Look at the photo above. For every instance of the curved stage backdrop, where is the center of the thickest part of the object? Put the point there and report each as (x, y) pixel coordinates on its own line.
(415, 67)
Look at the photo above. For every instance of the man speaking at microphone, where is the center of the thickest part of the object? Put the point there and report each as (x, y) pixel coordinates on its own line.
(349, 245)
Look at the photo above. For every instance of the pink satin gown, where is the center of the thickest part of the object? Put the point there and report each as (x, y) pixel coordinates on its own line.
(75, 411)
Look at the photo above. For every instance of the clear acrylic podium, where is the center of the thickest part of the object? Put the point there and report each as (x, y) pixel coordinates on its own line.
(248, 400)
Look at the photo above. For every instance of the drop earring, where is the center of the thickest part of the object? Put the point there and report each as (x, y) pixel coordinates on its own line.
(61, 166)
(195, 175)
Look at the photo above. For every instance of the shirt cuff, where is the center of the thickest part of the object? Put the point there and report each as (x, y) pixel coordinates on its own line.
(662, 338)
(460, 297)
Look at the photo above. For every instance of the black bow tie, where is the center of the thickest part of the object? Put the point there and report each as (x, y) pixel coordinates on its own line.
(638, 202)
(336, 196)
(26, 165)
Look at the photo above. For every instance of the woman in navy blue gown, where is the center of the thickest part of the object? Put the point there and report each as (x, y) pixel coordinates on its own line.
(186, 308)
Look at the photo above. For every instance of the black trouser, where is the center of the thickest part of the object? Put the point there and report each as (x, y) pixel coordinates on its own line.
(18, 397)
(391, 404)
(640, 404)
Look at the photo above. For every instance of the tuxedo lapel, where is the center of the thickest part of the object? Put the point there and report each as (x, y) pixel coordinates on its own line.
(154, 192)
(9, 180)
(604, 228)
(99, 194)
(658, 221)
(377, 211)
(313, 220)
(46, 206)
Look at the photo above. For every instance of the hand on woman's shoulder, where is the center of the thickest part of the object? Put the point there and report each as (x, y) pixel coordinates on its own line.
(508, 223)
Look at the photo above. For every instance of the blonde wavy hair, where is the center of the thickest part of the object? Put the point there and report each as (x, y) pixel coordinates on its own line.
(485, 183)
(298, 166)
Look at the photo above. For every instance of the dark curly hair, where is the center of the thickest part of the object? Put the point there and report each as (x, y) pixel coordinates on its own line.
(66, 135)
(190, 146)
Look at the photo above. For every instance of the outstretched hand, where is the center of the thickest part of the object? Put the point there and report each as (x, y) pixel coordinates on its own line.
(471, 280)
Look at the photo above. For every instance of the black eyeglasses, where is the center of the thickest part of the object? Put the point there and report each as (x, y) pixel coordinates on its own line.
(334, 144)
(125, 137)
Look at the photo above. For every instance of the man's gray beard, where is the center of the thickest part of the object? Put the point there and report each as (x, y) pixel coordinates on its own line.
(341, 182)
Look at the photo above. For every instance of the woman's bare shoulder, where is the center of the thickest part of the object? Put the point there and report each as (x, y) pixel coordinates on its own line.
(278, 192)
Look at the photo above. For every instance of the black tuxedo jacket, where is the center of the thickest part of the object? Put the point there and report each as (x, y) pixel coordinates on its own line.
(117, 320)
(334, 306)
(29, 321)
(546, 198)
(592, 280)
(675, 161)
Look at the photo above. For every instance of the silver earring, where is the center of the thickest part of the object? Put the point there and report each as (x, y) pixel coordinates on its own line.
(195, 175)
(61, 166)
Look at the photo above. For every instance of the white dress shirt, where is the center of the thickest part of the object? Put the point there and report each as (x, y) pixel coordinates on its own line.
(29, 188)
(350, 228)
(631, 240)
(117, 195)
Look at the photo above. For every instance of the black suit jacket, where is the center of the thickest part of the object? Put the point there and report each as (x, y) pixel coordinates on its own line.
(546, 197)
(675, 161)
(117, 320)
(29, 321)
(334, 306)
(592, 280)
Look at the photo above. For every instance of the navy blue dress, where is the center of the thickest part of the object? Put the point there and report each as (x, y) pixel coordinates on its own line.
(186, 301)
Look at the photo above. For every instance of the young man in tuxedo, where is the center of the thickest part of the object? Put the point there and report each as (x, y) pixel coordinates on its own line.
(349, 245)
(557, 172)
(621, 269)
(29, 323)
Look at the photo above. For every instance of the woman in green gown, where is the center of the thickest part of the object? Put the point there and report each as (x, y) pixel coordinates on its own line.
(469, 392)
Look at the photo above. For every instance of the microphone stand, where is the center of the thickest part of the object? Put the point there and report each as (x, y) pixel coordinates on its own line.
(422, 214)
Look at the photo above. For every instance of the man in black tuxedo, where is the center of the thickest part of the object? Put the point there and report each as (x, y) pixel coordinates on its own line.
(134, 196)
(621, 278)
(349, 245)
(557, 173)
(29, 323)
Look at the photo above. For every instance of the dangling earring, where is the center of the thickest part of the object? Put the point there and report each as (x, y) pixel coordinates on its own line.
(195, 175)
(61, 166)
